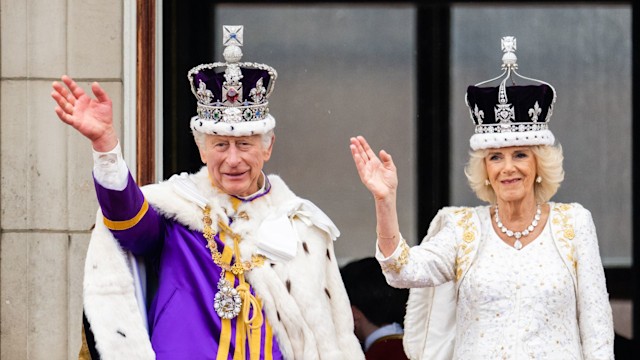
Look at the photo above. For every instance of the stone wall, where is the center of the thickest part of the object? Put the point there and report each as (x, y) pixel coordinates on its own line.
(46, 189)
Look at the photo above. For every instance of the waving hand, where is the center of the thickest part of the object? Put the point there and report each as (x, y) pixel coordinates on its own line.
(377, 174)
(93, 118)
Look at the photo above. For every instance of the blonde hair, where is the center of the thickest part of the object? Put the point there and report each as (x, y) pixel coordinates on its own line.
(548, 166)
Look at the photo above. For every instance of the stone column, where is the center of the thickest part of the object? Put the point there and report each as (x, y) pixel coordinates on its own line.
(46, 189)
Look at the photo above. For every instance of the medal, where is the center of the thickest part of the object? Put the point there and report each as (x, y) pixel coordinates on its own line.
(227, 302)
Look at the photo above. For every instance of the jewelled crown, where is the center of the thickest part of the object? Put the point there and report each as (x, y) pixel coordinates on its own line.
(232, 96)
(512, 115)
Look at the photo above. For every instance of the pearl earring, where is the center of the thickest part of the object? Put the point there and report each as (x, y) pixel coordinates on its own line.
(486, 182)
(539, 179)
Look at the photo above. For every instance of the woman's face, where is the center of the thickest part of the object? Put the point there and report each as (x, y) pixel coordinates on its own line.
(512, 172)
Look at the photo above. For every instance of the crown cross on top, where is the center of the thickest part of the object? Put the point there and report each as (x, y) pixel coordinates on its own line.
(232, 95)
(232, 35)
(232, 38)
(509, 59)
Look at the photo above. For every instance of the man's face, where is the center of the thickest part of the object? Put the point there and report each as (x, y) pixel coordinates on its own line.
(235, 162)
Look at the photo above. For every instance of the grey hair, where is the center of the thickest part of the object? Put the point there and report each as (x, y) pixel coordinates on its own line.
(548, 166)
(266, 138)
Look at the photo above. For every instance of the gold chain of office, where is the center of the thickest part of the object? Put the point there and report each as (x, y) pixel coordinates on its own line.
(239, 267)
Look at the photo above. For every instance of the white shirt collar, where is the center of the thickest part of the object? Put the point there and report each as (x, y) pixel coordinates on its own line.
(391, 329)
(260, 191)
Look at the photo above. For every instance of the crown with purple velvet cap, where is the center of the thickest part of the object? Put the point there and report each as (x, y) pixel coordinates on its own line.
(512, 115)
(232, 96)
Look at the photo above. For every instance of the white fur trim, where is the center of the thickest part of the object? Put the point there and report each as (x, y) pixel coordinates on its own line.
(243, 128)
(109, 285)
(304, 298)
(506, 139)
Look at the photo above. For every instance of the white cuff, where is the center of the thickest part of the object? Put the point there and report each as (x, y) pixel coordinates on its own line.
(110, 170)
(380, 256)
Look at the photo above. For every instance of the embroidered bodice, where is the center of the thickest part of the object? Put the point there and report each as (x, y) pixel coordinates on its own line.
(517, 304)
(546, 301)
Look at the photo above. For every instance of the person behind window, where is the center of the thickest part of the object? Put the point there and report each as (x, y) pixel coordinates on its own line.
(518, 278)
(378, 309)
(246, 269)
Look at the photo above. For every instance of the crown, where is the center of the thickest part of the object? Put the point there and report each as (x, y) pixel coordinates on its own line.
(512, 115)
(232, 96)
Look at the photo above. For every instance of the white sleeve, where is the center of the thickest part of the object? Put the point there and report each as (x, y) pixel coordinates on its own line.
(109, 169)
(430, 264)
(594, 310)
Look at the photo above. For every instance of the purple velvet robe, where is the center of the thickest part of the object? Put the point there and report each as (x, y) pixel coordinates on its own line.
(182, 321)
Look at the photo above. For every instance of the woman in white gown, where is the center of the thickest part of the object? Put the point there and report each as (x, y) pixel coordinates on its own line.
(524, 273)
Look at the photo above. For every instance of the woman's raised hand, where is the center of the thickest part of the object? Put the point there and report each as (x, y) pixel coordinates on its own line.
(379, 175)
(93, 118)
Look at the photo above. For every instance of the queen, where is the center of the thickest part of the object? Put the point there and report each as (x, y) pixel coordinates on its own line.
(520, 277)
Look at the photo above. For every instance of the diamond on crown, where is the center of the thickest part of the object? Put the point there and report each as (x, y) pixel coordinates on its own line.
(213, 103)
(512, 127)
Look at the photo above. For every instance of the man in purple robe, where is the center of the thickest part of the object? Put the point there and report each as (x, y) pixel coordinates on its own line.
(246, 269)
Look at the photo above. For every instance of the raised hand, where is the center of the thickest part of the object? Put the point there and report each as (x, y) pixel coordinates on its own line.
(93, 118)
(379, 175)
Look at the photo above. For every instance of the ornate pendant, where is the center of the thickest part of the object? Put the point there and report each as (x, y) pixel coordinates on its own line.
(517, 245)
(227, 302)
(518, 234)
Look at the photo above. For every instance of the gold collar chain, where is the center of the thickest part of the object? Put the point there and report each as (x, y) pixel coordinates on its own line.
(239, 267)
(231, 301)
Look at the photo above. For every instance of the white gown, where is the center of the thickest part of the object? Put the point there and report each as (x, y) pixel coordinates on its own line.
(516, 304)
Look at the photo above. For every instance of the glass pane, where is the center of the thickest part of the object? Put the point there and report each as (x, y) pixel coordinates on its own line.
(343, 70)
(585, 53)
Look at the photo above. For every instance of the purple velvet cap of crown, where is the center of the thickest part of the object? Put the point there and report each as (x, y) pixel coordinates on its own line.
(232, 96)
(519, 119)
(233, 101)
(522, 97)
(214, 79)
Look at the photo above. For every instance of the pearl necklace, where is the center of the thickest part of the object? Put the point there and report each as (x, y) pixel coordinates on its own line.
(518, 234)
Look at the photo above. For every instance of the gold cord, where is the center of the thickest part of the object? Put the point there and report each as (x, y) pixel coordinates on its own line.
(239, 268)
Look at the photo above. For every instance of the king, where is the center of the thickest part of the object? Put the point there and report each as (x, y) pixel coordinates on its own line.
(240, 266)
